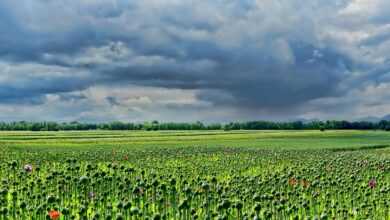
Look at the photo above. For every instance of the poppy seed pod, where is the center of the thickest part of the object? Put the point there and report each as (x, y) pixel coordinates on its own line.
(3, 211)
(51, 199)
(119, 216)
(84, 180)
(65, 211)
(156, 216)
(96, 216)
(134, 210)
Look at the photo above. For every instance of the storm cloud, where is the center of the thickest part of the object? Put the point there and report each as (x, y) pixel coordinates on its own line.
(220, 60)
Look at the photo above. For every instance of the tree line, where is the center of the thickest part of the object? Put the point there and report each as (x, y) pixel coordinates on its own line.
(155, 126)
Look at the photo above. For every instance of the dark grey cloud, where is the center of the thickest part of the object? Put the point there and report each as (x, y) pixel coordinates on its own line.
(251, 79)
(34, 91)
(112, 100)
(31, 83)
(245, 55)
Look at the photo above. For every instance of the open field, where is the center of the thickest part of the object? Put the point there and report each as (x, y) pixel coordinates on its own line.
(195, 174)
(130, 140)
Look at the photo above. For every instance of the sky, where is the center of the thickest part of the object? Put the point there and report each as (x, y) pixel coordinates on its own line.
(190, 60)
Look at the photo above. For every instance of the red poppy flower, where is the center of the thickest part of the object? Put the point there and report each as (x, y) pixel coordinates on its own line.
(53, 214)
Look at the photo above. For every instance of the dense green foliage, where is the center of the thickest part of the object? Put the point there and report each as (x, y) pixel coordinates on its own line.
(155, 125)
(195, 175)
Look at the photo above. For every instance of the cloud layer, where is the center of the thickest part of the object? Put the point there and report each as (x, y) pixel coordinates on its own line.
(222, 60)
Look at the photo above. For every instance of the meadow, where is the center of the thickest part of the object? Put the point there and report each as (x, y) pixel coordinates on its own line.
(195, 175)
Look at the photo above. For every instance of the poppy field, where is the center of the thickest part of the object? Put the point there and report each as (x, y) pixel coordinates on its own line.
(195, 175)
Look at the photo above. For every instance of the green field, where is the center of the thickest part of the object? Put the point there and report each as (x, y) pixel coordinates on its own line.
(129, 140)
(195, 175)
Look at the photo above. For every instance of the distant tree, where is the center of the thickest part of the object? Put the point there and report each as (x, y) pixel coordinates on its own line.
(215, 126)
(155, 125)
(297, 125)
(147, 126)
(382, 124)
(227, 127)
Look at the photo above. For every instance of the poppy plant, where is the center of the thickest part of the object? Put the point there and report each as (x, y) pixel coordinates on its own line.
(305, 183)
(292, 181)
(192, 183)
(372, 183)
(91, 195)
(28, 168)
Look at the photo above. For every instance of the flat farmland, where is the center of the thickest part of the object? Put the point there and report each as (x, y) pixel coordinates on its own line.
(195, 175)
(293, 140)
